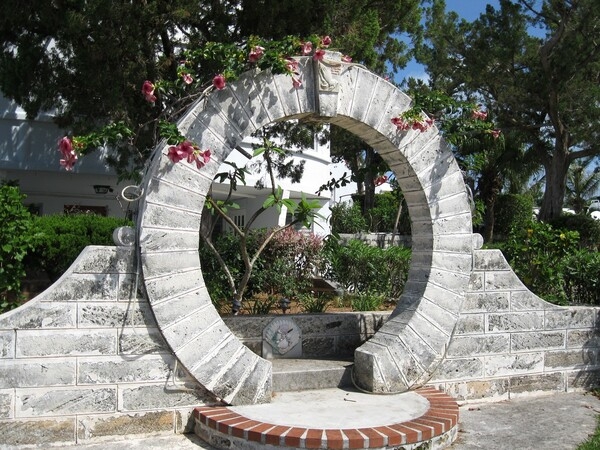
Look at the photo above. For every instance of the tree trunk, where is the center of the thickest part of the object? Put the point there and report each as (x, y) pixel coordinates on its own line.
(490, 186)
(556, 182)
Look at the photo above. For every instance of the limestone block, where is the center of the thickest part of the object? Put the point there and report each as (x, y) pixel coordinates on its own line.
(456, 281)
(583, 338)
(470, 324)
(206, 321)
(96, 287)
(237, 116)
(99, 259)
(538, 340)
(409, 345)
(577, 317)
(503, 365)
(458, 369)
(306, 93)
(569, 359)
(97, 426)
(287, 95)
(160, 396)
(155, 239)
(384, 98)
(65, 401)
(452, 261)
(180, 196)
(7, 344)
(40, 315)
(211, 131)
(490, 259)
(454, 242)
(318, 347)
(375, 370)
(246, 327)
(130, 288)
(248, 97)
(476, 282)
(451, 225)
(479, 345)
(40, 372)
(20, 433)
(525, 300)
(155, 216)
(451, 184)
(206, 342)
(526, 321)
(528, 384)
(365, 89)
(441, 318)
(486, 302)
(141, 341)
(113, 315)
(422, 150)
(450, 301)
(6, 404)
(475, 390)
(176, 308)
(170, 262)
(184, 421)
(106, 370)
(209, 364)
(499, 281)
(31, 343)
(173, 285)
(257, 386)
(583, 379)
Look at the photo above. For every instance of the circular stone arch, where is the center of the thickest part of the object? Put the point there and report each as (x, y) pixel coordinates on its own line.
(408, 348)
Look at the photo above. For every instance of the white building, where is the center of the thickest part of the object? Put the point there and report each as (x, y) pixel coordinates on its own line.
(29, 155)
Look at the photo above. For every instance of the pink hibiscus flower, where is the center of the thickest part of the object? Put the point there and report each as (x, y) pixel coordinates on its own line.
(219, 82)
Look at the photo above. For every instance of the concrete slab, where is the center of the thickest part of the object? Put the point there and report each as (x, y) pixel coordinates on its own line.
(337, 408)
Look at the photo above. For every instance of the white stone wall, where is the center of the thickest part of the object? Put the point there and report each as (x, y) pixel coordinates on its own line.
(509, 342)
(85, 359)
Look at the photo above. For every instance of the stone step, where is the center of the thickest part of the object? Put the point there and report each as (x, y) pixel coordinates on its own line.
(307, 374)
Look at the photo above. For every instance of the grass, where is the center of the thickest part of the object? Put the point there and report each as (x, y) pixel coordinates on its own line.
(593, 442)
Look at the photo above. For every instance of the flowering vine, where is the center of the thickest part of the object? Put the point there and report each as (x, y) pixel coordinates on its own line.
(172, 97)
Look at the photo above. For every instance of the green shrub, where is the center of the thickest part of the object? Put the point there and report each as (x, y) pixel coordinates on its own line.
(65, 236)
(581, 273)
(536, 254)
(586, 226)
(17, 238)
(512, 212)
(316, 302)
(347, 218)
(366, 301)
(359, 267)
(284, 269)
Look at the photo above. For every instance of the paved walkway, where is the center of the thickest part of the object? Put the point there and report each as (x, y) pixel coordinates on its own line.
(549, 422)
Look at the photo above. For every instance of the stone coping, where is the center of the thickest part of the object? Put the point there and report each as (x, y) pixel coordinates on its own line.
(222, 427)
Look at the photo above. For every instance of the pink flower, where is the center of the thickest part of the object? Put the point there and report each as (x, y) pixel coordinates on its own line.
(256, 53)
(325, 41)
(296, 82)
(175, 154)
(148, 91)
(187, 78)
(65, 145)
(219, 81)
(206, 155)
(477, 114)
(380, 180)
(401, 124)
(346, 59)
(307, 48)
(319, 55)
(495, 133)
(291, 65)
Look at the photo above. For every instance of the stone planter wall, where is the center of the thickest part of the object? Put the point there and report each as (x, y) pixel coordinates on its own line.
(85, 360)
(334, 335)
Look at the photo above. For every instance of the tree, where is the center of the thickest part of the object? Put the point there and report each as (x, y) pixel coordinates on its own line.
(544, 88)
(581, 186)
(87, 60)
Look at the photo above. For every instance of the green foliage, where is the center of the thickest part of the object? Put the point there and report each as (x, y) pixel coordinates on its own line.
(382, 216)
(586, 226)
(581, 274)
(366, 301)
(593, 441)
(65, 236)
(347, 218)
(535, 254)
(512, 212)
(361, 268)
(315, 302)
(260, 306)
(17, 238)
(284, 268)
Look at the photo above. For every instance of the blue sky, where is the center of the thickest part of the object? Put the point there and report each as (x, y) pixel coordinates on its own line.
(467, 9)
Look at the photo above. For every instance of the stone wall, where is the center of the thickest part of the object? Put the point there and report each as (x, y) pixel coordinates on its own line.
(509, 342)
(334, 335)
(381, 240)
(85, 360)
